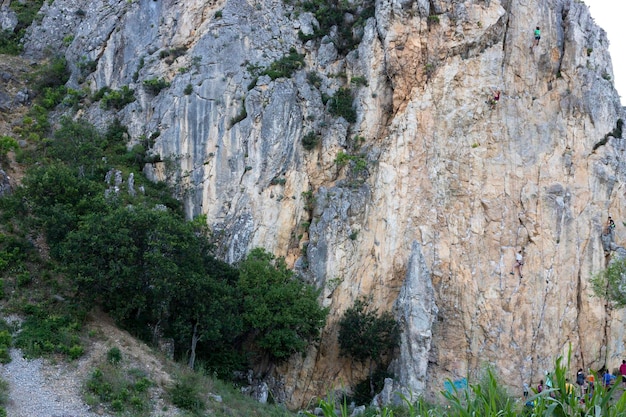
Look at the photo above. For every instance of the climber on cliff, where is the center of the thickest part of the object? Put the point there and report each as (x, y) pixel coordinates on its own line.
(610, 226)
(494, 99)
(537, 36)
(519, 261)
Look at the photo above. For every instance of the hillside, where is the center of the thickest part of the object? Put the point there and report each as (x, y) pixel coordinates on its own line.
(357, 141)
(41, 388)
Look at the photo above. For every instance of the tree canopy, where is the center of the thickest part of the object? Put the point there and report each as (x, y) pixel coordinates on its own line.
(366, 335)
(281, 315)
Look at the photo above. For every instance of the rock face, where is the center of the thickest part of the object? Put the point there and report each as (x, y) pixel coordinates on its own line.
(438, 191)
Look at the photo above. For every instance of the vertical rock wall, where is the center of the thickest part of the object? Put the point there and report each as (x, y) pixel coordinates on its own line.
(451, 188)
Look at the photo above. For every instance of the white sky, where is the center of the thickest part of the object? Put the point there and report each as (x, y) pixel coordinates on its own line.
(609, 15)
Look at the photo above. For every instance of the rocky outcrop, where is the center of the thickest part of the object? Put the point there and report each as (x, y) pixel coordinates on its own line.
(5, 184)
(439, 191)
(416, 311)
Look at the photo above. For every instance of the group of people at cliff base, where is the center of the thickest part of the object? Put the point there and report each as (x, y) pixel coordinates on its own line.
(493, 100)
(586, 383)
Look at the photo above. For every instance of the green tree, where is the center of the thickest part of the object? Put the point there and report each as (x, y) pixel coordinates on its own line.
(7, 143)
(79, 144)
(205, 315)
(610, 284)
(132, 260)
(367, 336)
(58, 196)
(281, 315)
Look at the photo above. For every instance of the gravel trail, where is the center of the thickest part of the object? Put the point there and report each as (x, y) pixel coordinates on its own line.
(42, 390)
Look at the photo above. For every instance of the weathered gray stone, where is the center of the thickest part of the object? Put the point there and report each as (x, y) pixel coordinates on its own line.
(22, 97)
(5, 102)
(415, 310)
(8, 18)
(358, 411)
(5, 184)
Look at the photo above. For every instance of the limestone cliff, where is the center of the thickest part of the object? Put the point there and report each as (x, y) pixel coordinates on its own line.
(439, 191)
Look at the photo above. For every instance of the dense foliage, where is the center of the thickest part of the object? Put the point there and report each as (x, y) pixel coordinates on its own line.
(280, 313)
(366, 335)
(347, 17)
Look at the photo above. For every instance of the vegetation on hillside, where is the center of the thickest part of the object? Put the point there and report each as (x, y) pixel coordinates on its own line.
(368, 337)
(71, 240)
(347, 17)
(26, 12)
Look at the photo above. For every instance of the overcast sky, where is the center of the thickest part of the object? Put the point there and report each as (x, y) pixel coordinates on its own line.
(609, 15)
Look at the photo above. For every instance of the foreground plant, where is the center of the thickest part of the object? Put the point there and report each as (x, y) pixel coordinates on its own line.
(487, 398)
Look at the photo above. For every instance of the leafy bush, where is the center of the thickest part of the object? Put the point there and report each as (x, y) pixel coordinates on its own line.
(6, 341)
(79, 144)
(10, 42)
(52, 75)
(280, 313)
(115, 99)
(366, 335)
(358, 162)
(86, 65)
(358, 81)
(609, 284)
(43, 333)
(155, 85)
(7, 143)
(186, 393)
(433, 18)
(121, 389)
(341, 105)
(114, 355)
(332, 14)
(310, 141)
(170, 55)
(285, 66)
(51, 97)
(309, 200)
(26, 12)
(314, 79)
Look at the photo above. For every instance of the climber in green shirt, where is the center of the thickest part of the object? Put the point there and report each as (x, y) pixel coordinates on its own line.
(537, 36)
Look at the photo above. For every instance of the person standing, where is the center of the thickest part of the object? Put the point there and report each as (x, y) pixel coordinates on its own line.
(622, 371)
(540, 387)
(580, 381)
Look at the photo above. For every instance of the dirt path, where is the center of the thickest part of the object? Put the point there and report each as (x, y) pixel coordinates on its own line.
(43, 388)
